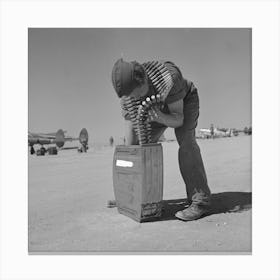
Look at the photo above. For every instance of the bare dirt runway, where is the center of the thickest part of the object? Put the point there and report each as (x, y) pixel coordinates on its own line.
(68, 193)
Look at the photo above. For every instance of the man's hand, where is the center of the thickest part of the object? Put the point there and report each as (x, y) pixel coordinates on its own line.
(155, 115)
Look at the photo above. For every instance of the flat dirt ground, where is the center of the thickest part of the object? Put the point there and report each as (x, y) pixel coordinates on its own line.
(68, 195)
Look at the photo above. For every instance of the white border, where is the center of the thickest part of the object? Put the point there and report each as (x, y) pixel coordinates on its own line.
(262, 16)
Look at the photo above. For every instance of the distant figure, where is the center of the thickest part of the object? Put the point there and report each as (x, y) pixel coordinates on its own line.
(180, 111)
(212, 131)
(111, 141)
(122, 140)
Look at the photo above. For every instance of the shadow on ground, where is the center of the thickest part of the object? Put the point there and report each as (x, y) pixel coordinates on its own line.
(224, 202)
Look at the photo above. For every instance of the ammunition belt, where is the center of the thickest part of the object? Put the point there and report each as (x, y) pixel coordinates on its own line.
(138, 109)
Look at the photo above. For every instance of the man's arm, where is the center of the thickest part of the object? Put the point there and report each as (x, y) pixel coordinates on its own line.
(174, 119)
(130, 135)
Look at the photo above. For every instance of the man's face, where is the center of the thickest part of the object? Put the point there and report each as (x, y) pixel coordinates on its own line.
(140, 91)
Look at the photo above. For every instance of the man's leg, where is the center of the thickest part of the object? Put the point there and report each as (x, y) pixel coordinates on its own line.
(190, 161)
(192, 169)
(130, 135)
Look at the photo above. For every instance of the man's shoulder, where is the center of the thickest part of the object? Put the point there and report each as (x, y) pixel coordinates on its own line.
(175, 68)
(181, 86)
(170, 65)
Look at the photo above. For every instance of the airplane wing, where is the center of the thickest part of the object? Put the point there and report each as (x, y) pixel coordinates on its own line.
(57, 138)
(45, 139)
(51, 135)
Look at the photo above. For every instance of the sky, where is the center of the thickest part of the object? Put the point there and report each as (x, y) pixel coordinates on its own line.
(69, 75)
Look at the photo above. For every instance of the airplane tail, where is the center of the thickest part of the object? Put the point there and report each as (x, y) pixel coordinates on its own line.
(59, 138)
(83, 137)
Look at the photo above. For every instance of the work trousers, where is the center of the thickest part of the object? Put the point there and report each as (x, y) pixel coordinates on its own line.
(190, 160)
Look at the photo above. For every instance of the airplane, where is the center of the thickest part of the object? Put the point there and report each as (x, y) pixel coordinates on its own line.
(58, 139)
(214, 133)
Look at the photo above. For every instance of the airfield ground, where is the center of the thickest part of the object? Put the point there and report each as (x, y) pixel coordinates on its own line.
(68, 193)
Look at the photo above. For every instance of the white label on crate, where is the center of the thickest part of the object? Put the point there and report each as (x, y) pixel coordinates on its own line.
(124, 163)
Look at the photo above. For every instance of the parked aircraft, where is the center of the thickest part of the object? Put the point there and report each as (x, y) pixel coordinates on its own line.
(57, 138)
(215, 133)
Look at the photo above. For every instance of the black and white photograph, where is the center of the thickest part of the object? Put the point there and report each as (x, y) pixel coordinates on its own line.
(139, 140)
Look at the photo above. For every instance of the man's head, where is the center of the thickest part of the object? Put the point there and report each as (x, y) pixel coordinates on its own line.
(129, 79)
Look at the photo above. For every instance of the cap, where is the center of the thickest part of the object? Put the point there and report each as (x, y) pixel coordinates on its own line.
(122, 77)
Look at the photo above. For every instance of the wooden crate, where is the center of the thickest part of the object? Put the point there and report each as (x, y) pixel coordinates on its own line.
(138, 181)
